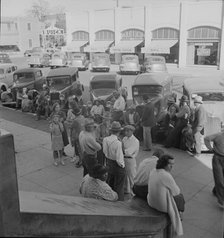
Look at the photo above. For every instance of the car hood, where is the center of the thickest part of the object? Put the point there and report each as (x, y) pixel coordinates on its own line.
(22, 85)
(215, 109)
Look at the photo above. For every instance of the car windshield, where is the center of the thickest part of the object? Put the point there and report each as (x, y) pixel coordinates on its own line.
(157, 68)
(130, 58)
(59, 83)
(103, 88)
(1, 71)
(212, 96)
(23, 77)
(150, 90)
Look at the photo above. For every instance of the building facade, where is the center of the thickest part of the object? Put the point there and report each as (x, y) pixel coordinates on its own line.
(184, 32)
(19, 34)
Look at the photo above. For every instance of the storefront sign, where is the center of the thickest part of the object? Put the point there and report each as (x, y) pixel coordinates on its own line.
(203, 52)
(53, 31)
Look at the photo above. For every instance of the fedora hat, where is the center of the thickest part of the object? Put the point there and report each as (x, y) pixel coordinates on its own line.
(115, 126)
(198, 99)
(171, 100)
(77, 111)
(184, 98)
(129, 127)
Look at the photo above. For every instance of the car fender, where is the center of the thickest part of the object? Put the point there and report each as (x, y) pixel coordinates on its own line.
(3, 86)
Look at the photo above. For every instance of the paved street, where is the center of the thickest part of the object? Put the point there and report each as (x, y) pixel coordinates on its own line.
(202, 218)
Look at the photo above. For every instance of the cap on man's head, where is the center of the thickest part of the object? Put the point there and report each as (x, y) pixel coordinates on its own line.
(129, 127)
(198, 99)
(115, 126)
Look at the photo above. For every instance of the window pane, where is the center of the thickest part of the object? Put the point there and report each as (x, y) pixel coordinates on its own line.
(166, 33)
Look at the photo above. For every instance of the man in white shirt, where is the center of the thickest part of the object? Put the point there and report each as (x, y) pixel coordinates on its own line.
(118, 108)
(97, 111)
(141, 179)
(112, 149)
(131, 149)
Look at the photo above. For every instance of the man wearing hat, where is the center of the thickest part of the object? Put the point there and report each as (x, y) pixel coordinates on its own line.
(148, 121)
(131, 149)
(77, 126)
(89, 146)
(118, 108)
(198, 123)
(112, 149)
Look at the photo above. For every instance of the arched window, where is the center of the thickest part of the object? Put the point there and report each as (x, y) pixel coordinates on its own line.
(165, 33)
(80, 35)
(105, 35)
(204, 32)
(132, 34)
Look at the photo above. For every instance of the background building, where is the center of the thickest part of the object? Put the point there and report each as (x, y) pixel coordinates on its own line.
(19, 34)
(185, 32)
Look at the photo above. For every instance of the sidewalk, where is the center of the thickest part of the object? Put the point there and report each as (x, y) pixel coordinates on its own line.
(202, 218)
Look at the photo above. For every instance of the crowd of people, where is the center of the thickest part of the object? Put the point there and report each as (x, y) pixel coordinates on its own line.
(106, 142)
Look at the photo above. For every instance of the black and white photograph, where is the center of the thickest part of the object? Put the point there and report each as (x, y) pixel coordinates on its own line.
(112, 118)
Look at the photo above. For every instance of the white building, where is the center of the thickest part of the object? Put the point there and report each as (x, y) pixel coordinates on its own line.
(185, 32)
(19, 34)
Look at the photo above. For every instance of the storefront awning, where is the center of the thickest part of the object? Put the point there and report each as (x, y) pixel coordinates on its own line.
(125, 46)
(159, 47)
(98, 46)
(75, 46)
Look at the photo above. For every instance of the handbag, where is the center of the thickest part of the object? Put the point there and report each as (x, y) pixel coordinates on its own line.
(180, 202)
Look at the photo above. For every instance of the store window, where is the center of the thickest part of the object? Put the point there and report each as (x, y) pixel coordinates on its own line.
(80, 36)
(132, 34)
(203, 45)
(168, 39)
(29, 26)
(105, 35)
(30, 43)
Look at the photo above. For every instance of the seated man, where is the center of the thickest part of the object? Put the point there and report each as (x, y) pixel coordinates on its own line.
(140, 188)
(96, 186)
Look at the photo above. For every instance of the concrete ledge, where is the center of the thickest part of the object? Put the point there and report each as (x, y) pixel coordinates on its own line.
(55, 215)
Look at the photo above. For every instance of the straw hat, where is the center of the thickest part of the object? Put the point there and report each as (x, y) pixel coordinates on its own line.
(198, 99)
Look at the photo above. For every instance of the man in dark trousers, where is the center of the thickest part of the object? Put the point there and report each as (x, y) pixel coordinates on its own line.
(198, 124)
(148, 121)
(112, 149)
(217, 164)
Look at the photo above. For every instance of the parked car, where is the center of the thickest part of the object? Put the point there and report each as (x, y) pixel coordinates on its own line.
(212, 92)
(27, 53)
(154, 64)
(78, 60)
(158, 87)
(63, 82)
(58, 59)
(101, 62)
(39, 59)
(102, 86)
(4, 58)
(25, 80)
(6, 76)
(129, 64)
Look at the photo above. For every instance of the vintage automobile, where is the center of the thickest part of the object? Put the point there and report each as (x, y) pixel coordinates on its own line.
(63, 82)
(38, 49)
(129, 64)
(102, 86)
(78, 60)
(4, 58)
(154, 64)
(212, 92)
(58, 59)
(158, 87)
(101, 62)
(39, 59)
(6, 76)
(24, 80)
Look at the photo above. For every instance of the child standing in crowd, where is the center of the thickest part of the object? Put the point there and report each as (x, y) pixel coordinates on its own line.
(57, 145)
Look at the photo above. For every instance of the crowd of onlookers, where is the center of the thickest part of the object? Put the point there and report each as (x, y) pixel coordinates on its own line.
(106, 138)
